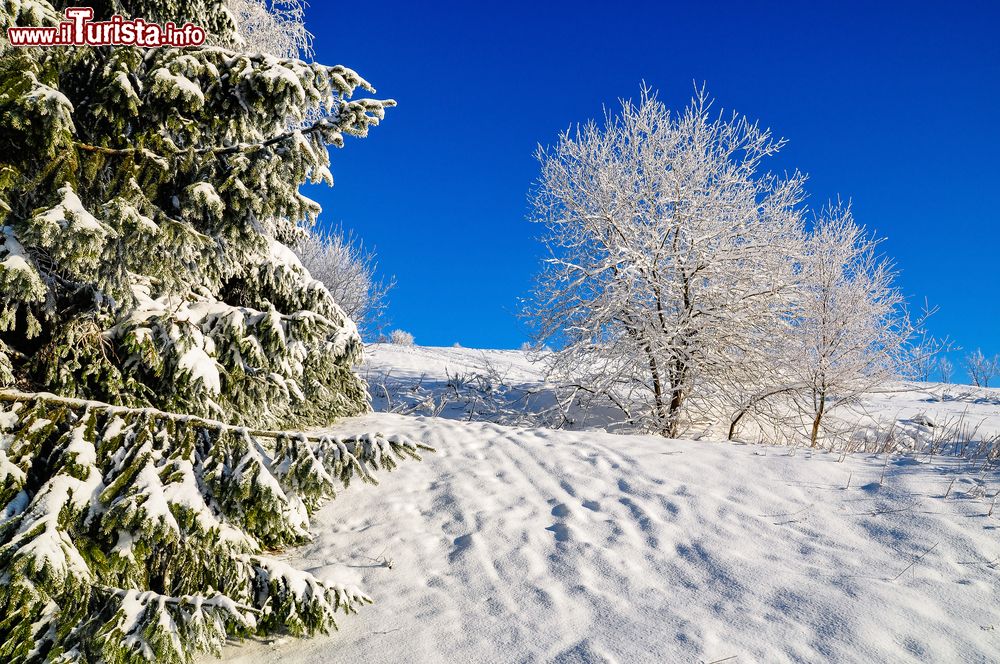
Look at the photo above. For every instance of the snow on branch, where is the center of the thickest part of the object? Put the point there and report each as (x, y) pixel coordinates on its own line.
(119, 524)
(355, 117)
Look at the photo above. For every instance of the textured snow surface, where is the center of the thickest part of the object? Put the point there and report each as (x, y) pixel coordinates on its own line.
(440, 362)
(512, 545)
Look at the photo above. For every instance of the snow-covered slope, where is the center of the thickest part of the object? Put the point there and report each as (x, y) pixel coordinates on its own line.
(438, 363)
(506, 386)
(517, 544)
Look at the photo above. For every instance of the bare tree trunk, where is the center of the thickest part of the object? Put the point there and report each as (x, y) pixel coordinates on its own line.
(732, 425)
(673, 419)
(654, 371)
(755, 400)
(817, 420)
(674, 416)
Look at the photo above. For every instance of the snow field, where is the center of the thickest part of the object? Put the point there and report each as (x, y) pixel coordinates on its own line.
(514, 544)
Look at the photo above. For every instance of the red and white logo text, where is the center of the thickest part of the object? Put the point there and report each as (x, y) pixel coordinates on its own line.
(80, 30)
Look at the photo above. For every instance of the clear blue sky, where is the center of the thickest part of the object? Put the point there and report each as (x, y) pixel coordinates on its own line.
(895, 105)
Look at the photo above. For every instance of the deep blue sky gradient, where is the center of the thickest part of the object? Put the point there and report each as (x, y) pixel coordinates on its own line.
(894, 105)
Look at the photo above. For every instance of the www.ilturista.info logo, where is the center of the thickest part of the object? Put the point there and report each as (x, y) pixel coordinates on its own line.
(79, 30)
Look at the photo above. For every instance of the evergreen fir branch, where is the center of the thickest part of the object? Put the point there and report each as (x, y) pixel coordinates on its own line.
(119, 522)
(216, 601)
(325, 124)
(16, 396)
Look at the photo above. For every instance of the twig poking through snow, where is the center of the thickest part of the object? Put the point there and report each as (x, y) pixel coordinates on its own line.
(915, 561)
(795, 513)
(382, 560)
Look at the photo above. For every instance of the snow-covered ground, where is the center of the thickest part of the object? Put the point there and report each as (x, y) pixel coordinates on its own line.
(525, 544)
(508, 387)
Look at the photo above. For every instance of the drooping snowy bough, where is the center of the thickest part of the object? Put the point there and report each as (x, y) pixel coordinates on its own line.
(155, 329)
(136, 534)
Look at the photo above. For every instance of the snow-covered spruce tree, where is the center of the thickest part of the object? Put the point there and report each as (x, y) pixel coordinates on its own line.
(147, 295)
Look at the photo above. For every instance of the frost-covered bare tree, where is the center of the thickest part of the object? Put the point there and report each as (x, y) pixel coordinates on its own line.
(982, 369)
(401, 338)
(341, 262)
(927, 350)
(851, 331)
(275, 27)
(946, 368)
(925, 358)
(670, 255)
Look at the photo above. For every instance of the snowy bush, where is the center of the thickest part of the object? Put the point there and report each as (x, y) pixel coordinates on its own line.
(347, 269)
(946, 368)
(401, 338)
(982, 369)
(481, 393)
(926, 352)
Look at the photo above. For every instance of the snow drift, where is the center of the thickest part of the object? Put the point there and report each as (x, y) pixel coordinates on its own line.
(526, 544)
